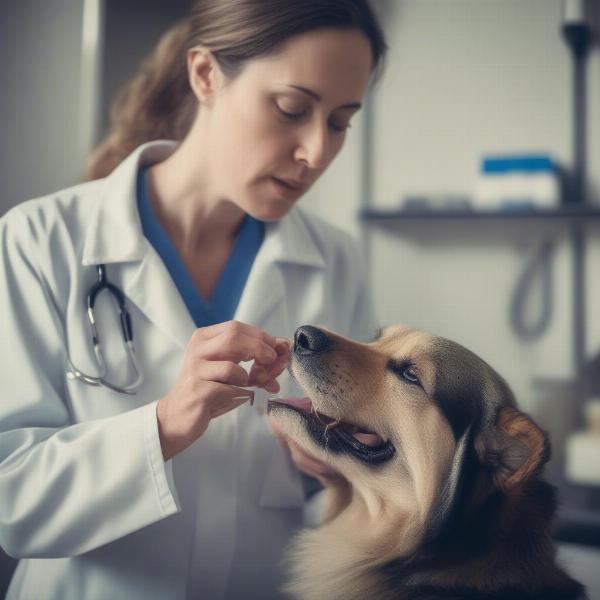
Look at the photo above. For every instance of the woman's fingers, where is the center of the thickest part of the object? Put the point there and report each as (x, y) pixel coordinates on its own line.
(260, 377)
(229, 372)
(235, 328)
(233, 374)
(186, 411)
(271, 386)
(212, 382)
(222, 372)
(239, 342)
(227, 398)
(262, 374)
(236, 346)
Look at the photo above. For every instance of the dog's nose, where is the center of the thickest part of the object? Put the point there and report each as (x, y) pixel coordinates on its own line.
(310, 340)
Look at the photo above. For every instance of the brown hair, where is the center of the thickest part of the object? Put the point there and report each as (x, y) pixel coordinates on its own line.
(157, 103)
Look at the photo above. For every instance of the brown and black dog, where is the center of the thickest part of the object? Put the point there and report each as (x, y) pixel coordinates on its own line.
(440, 496)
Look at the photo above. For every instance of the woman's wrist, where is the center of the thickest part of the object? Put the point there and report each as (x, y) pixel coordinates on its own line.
(170, 444)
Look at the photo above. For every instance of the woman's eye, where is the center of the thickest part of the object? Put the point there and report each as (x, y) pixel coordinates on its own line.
(291, 114)
(296, 115)
(339, 127)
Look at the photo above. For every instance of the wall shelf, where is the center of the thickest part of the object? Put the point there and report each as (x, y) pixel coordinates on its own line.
(566, 212)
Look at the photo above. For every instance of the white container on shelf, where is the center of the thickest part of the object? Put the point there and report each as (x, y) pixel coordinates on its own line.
(583, 448)
(512, 182)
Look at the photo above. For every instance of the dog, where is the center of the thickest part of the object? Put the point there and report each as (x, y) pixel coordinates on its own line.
(440, 494)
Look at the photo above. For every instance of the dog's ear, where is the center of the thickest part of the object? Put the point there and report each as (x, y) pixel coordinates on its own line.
(514, 449)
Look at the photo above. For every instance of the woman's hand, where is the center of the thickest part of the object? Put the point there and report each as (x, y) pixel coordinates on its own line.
(263, 374)
(211, 379)
(304, 461)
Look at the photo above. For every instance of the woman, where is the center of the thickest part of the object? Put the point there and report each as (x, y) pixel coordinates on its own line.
(168, 492)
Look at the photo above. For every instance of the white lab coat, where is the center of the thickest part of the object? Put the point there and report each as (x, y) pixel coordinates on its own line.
(86, 500)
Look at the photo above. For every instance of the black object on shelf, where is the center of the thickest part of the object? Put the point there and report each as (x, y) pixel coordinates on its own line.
(578, 36)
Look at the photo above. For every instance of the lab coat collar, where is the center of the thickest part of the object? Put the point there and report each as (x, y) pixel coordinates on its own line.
(290, 241)
(114, 233)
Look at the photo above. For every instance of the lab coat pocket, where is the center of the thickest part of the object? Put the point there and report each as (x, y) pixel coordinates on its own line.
(282, 485)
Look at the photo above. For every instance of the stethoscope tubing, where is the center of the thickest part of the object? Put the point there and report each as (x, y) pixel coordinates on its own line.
(118, 297)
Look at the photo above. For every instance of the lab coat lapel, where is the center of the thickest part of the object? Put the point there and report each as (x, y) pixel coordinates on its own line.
(262, 301)
(152, 289)
(115, 237)
(287, 243)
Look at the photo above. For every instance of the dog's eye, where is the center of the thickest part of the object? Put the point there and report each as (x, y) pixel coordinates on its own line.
(409, 374)
(405, 370)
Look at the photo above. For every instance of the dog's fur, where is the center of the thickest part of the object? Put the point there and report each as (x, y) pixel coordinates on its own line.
(444, 499)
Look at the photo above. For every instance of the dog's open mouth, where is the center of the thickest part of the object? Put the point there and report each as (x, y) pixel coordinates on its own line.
(334, 434)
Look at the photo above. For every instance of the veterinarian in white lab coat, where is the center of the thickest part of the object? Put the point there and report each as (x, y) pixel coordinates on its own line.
(180, 490)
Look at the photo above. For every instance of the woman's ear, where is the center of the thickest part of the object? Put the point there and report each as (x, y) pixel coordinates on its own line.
(514, 449)
(204, 74)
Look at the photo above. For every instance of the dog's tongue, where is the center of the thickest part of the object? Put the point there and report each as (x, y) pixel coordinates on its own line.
(368, 438)
(303, 404)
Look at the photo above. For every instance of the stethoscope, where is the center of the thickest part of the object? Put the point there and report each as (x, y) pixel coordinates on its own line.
(126, 329)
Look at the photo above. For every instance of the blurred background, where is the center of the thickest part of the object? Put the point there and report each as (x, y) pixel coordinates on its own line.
(472, 178)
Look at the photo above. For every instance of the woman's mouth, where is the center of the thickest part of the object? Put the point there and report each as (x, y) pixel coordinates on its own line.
(288, 188)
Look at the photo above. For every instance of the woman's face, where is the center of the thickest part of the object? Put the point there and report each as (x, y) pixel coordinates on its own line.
(274, 129)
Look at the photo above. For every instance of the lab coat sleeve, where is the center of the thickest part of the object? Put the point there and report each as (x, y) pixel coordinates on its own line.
(65, 488)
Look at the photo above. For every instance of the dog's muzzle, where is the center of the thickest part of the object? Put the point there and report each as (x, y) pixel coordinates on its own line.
(337, 436)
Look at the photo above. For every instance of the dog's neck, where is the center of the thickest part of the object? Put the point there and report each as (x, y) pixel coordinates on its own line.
(341, 559)
(325, 566)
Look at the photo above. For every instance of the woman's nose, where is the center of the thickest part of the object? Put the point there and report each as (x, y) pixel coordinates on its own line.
(313, 149)
(310, 340)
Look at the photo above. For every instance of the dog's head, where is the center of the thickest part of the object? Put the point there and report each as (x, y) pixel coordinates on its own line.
(407, 419)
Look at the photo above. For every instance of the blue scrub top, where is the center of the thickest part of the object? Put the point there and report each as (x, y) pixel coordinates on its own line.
(226, 296)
